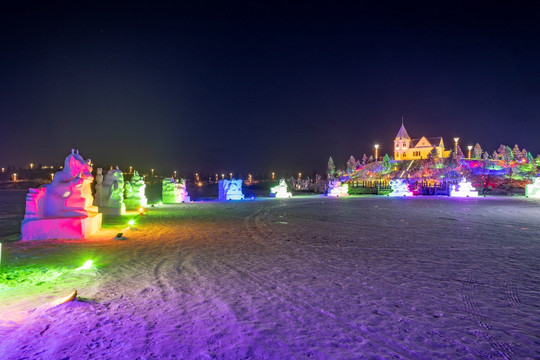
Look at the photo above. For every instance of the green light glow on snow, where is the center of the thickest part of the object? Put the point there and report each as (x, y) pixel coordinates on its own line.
(87, 265)
(131, 222)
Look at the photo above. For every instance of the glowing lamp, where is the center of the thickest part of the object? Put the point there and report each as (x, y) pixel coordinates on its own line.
(230, 175)
(470, 148)
(3, 169)
(130, 169)
(376, 152)
(131, 222)
(31, 166)
(14, 177)
(52, 176)
(152, 170)
(273, 176)
(87, 265)
(141, 210)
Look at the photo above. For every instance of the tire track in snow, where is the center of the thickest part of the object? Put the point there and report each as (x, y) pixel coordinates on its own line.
(470, 286)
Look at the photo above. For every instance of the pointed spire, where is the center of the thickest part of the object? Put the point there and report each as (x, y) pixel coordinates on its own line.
(402, 133)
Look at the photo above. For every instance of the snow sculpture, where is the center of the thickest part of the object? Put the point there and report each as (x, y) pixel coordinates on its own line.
(111, 197)
(465, 190)
(533, 190)
(230, 189)
(99, 187)
(337, 189)
(280, 191)
(63, 209)
(174, 192)
(399, 188)
(135, 192)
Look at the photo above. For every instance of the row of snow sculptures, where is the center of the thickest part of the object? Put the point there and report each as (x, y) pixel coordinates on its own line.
(63, 209)
(337, 189)
(174, 192)
(110, 192)
(280, 190)
(399, 188)
(533, 190)
(135, 192)
(464, 189)
(230, 189)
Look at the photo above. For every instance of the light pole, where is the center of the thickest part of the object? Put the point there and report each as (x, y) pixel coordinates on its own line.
(456, 139)
(376, 152)
(470, 148)
(152, 172)
(14, 177)
(273, 175)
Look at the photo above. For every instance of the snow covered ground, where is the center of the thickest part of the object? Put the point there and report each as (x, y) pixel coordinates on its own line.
(307, 277)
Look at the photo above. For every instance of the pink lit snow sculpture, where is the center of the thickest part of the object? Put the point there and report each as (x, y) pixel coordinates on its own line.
(464, 189)
(337, 189)
(399, 188)
(63, 209)
(230, 189)
(174, 192)
(110, 193)
(533, 190)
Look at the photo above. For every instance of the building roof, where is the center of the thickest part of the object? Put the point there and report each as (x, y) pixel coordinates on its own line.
(402, 133)
(433, 141)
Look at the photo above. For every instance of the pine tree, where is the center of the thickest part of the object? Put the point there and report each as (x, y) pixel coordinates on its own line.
(434, 153)
(524, 154)
(351, 165)
(459, 153)
(331, 169)
(516, 152)
(530, 158)
(364, 159)
(386, 162)
(485, 156)
(370, 158)
(477, 151)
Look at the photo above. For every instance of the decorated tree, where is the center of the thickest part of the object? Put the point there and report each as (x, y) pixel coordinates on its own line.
(530, 158)
(477, 151)
(485, 156)
(516, 153)
(495, 155)
(370, 158)
(364, 159)
(459, 153)
(331, 169)
(386, 162)
(434, 154)
(351, 165)
(524, 154)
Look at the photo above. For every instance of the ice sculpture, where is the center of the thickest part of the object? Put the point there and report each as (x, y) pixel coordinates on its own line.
(230, 189)
(135, 192)
(63, 209)
(110, 197)
(399, 188)
(533, 190)
(174, 192)
(464, 189)
(280, 191)
(337, 189)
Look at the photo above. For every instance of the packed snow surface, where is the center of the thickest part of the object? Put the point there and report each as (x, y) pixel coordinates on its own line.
(306, 277)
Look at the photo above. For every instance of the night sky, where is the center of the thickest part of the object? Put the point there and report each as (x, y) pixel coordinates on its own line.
(244, 87)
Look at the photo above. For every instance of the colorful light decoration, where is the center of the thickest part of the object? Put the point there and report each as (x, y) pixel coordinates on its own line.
(399, 188)
(464, 189)
(337, 189)
(131, 222)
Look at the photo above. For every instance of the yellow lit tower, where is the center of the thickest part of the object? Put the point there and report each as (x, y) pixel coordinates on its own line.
(401, 143)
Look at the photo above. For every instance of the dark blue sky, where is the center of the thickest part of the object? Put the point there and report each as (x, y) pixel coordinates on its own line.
(243, 87)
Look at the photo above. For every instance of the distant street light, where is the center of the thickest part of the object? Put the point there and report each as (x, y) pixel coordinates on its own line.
(273, 175)
(230, 175)
(299, 175)
(131, 169)
(152, 172)
(376, 152)
(31, 166)
(14, 177)
(456, 139)
(470, 148)
(174, 173)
